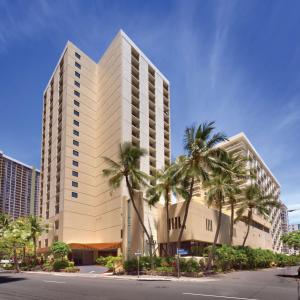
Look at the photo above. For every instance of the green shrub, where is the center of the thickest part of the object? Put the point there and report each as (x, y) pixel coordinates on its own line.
(47, 266)
(8, 266)
(109, 261)
(71, 269)
(71, 264)
(228, 257)
(101, 260)
(60, 264)
(189, 266)
(165, 269)
(131, 265)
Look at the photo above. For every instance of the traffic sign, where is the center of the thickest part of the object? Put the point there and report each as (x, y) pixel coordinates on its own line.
(182, 251)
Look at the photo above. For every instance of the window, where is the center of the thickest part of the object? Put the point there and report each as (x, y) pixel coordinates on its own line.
(56, 224)
(74, 173)
(57, 209)
(40, 244)
(46, 242)
(74, 195)
(77, 55)
(209, 225)
(75, 122)
(76, 83)
(75, 163)
(76, 103)
(77, 74)
(77, 65)
(75, 143)
(75, 132)
(75, 153)
(76, 113)
(74, 183)
(76, 93)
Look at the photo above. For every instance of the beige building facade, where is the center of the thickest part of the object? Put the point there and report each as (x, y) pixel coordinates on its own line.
(201, 227)
(202, 221)
(90, 108)
(266, 180)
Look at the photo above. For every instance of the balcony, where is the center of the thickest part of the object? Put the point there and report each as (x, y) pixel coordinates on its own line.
(135, 102)
(135, 82)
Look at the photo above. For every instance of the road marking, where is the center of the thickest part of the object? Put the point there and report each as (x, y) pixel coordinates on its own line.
(216, 296)
(92, 272)
(53, 281)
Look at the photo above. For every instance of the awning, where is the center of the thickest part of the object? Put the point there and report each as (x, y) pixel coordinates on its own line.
(96, 246)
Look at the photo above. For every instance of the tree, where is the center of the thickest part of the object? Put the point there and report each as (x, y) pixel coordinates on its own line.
(166, 184)
(201, 157)
(14, 238)
(36, 228)
(218, 187)
(60, 250)
(4, 222)
(254, 200)
(127, 167)
(292, 239)
(234, 166)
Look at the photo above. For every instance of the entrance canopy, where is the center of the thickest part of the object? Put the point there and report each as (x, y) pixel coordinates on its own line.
(96, 246)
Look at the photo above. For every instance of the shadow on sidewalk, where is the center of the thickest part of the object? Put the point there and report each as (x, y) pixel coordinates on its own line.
(8, 279)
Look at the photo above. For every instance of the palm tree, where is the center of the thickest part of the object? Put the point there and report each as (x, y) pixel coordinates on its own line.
(166, 184)
(127, 167)
(219, 186)
(201, 157)
(36, 228)
(254, 200)
(235, 167)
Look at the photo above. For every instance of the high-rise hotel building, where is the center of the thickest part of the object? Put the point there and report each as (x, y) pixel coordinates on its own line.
(89, 109)
(19, 187)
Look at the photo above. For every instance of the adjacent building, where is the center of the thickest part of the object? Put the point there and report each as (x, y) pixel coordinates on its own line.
(202, 221)
(19, 187)
(284, 224)
(265, 179)
(89, 109)
(294, 227)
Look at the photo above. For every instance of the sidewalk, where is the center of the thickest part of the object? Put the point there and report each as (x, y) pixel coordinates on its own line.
(126, 277)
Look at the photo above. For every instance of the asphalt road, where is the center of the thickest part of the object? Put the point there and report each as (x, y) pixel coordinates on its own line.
(261, 285)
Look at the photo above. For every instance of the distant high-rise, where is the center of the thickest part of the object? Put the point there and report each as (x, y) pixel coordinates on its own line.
(19, 187)
(91, 108)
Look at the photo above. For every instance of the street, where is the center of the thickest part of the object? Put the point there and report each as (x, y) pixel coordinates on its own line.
(245, 285)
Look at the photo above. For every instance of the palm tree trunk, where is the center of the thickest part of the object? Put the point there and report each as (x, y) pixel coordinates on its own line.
(248, 227)
(34, 248)
(150, 240)
(16, 263)
(231, 223)
(212, 252)
(167, 227)
(187, 206)
(24, 253)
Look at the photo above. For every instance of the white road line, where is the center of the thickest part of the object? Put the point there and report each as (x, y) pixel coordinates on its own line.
(92, 272)
(216, 296)
(53, 281)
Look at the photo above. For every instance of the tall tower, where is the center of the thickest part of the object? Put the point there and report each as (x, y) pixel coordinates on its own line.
(89, 110)
(19, 187)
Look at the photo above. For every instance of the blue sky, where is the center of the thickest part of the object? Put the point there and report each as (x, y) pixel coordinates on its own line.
(235, 62)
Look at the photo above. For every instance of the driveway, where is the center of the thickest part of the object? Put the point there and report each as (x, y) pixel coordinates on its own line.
(94, 269)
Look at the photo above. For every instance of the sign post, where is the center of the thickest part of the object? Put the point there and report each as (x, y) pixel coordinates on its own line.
(180, 252)
(138, 255)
